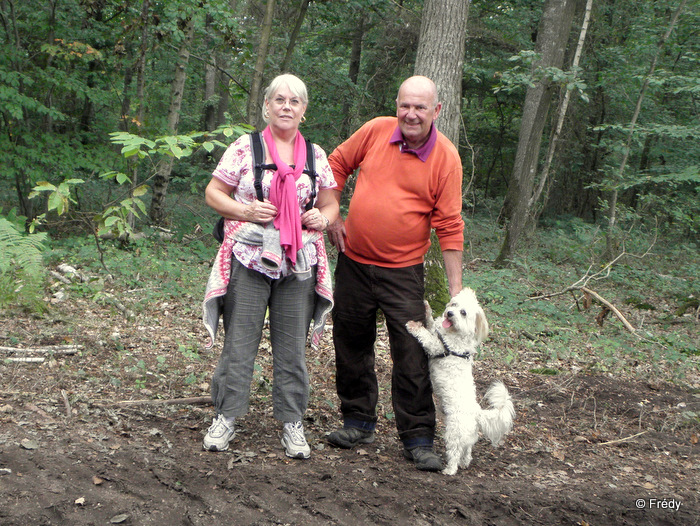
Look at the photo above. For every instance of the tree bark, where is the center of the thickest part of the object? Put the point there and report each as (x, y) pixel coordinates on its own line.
(303, 8)
(162, 177)
(552, 36)
(561, 115)
(440, 56)
(210, 76)
(254, 102)
(353, 72)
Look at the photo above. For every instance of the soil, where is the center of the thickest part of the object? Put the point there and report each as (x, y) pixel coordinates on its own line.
(586, 449)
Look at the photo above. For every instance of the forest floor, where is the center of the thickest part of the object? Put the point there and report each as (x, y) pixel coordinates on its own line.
(587, 449)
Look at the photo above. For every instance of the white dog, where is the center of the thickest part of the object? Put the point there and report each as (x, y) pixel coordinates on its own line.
(451, 341)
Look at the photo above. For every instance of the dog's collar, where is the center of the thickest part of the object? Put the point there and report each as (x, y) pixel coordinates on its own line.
(448, 351)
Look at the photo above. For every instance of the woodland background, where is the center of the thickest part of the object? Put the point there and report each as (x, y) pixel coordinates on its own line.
(577, 123)
(578, 134)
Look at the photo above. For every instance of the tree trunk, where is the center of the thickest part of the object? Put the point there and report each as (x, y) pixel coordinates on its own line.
(561, 115)
(254, 102)
(610, 241)
(140, 87)
(440, 56)
(210, 76)
(552, 36)
(353, 72)
(162, 177)
(303, 8)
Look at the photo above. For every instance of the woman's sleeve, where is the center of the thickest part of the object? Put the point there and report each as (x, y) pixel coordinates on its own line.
(232, 161)
(323, 169)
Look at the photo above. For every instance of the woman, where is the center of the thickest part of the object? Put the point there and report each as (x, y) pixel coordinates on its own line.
(245, 283)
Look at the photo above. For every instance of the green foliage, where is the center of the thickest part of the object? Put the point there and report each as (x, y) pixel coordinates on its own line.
(527, 74)
(437, 292)
(557, 333)
(21, 266)
(59, 196)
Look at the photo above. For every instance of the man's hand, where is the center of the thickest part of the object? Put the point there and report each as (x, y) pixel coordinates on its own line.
(336, 234)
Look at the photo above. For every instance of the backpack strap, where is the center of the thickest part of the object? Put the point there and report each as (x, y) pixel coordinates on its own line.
(258, 160)
(259, 166)
(310, 170)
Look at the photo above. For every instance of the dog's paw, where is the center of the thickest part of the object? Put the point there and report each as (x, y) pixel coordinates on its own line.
(413, 326)
(428, 316)
(450, 471)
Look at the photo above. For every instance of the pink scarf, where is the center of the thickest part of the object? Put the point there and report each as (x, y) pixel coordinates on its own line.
(283, 194)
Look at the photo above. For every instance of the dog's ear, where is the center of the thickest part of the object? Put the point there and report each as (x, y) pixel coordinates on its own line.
(482, 325)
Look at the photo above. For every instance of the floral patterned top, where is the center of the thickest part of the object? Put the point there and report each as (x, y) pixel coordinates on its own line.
(236, 169)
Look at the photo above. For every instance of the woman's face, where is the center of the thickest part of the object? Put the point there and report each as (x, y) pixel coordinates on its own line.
(285, 109)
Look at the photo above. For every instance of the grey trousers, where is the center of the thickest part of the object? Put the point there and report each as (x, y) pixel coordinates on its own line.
(290, 302)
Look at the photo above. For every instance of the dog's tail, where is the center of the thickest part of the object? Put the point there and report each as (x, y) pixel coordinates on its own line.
(496, 421)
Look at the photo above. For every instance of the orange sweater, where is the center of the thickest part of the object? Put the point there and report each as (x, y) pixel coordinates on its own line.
(398, 198)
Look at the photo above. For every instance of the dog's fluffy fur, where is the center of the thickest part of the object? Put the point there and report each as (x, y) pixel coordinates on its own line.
(460, 330)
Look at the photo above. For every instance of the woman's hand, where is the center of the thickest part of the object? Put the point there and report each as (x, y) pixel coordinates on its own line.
(313, 219)
(259, 211)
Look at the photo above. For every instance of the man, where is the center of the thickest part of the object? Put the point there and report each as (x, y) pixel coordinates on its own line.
(410, 181)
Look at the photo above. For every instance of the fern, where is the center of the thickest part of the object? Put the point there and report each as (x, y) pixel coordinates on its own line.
(20, 252)
(21, 269)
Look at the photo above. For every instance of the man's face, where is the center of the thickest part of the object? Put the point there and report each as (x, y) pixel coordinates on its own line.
(416, 110)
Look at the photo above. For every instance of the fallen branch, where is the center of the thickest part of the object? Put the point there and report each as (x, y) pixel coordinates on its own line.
(621, 439)
(55, 349)
(27, 359)
(60, 277)
(171, 401)
(582, 285)
(72, 272)
(610, 306)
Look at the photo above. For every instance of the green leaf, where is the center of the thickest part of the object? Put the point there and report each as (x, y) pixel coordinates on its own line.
(140, 190)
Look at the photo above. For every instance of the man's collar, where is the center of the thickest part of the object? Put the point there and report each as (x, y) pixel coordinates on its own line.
(424, 151)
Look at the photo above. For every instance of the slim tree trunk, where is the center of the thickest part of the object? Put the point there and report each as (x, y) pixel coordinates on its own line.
(162, 177)
(552, 37)
(610, 242)
(254, 102)
(561, 115)
(353, 71)
(440, 56)
(303, 8)
(140, 87)
(210, 77)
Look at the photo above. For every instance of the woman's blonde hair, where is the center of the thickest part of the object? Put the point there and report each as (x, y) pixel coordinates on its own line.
(295, 85)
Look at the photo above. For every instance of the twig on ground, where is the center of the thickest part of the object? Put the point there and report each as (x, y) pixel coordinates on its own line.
(49, 349)
(621, 439)
(610, 306)
(582, 285)
(27, 359)
(171, 401)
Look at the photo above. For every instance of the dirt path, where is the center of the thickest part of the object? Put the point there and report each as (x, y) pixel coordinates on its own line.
(144, 465)
(586, 450)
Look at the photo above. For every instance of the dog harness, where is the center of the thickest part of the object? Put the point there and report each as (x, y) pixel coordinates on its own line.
(448, 351)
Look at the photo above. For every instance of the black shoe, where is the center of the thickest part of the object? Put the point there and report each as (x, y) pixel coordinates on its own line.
(424, 458)
(349, 437)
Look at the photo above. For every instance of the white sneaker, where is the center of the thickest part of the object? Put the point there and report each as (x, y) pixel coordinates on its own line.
(218, 436)
(294, 441)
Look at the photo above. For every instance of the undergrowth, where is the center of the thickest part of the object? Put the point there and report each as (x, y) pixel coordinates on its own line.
(532, 326)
